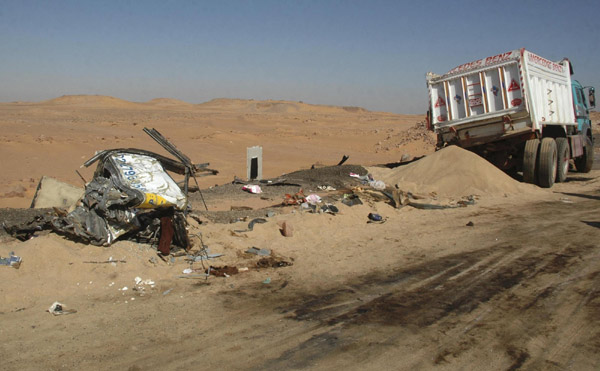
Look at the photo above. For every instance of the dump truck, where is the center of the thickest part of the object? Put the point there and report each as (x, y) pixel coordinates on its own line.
(520, 111)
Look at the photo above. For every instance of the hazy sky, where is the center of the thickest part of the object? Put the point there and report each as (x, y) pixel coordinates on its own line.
(372, 54)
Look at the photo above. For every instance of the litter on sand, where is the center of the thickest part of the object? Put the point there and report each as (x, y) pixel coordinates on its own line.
(251, 225)
(57, 309)
(259, 252)
(12, 261)
(252, 188)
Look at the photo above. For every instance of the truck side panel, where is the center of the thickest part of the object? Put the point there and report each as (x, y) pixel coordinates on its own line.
(549, 90)
(470, 97)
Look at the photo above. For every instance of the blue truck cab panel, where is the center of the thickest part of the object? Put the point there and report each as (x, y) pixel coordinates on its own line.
(582, 106)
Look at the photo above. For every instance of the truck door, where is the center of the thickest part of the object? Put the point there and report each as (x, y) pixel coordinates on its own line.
(580, 106)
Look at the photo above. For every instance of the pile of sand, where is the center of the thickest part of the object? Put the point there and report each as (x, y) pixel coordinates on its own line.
(453, 172)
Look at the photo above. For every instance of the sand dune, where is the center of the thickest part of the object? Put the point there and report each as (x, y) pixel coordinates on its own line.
(277, 106)
(89, 100)
(167, 102)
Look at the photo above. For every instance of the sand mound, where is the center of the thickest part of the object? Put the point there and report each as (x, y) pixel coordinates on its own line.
(276, 106)
(227, 103)
(167, 102)
(354, 109)
(89, 100)
(453, 172)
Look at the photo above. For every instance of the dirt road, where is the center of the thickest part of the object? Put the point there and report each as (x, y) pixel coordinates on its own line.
(518, 289)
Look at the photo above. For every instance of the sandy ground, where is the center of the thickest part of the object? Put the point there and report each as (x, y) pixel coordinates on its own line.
(517, 288)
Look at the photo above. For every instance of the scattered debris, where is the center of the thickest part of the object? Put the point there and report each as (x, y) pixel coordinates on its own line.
(251, 188)
(296, 199)
(267, 281)
(329, 209)
(272, 262)
(312, 199)
(344, 159)
(375, 217)
(224, 271)
(257, 251)
(194, 276)
(110, 260)
(470, 224)
(12, 261)
(251, 225)
(167, 291)
(57, 309)
(368, 179)
(351, 199)
(326, 188)
(203, 254)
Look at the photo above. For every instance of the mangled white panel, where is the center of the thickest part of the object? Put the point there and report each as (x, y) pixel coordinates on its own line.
(146, 175)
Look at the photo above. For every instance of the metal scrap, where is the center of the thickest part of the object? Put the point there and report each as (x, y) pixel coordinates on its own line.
(12, 261)
(131, 194)
(251, 225)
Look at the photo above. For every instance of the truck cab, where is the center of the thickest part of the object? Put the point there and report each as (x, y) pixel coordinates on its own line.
(582, 107)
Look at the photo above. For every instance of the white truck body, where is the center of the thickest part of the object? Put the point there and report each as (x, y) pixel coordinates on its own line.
(500, 96)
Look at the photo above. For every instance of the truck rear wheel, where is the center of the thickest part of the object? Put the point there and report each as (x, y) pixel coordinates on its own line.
(585, 162)
(532, 147)
(562, 164)
(547, 163)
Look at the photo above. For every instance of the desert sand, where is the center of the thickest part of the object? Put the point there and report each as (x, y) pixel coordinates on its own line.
(55, 137)
(510, 282)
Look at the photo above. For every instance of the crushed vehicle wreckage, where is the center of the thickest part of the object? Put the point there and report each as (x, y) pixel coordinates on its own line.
(130, 196)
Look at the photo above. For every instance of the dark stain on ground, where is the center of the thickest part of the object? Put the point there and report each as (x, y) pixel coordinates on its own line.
(436, 293)
(519, 356)
(273, 262)
(440, 297)
(429, 293)
(309, 351)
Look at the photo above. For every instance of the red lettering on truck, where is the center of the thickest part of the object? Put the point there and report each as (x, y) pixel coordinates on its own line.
(536, 59)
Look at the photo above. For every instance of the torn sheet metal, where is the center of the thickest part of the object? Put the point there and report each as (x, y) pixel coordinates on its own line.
(146, 175)
(128, 192)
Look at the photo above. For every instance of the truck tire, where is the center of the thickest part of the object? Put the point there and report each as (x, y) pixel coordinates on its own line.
(562, 159)
(584, 163)
(530, 155)
(547, 163)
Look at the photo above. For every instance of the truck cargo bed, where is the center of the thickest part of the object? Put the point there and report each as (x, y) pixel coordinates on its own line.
(500, 96)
